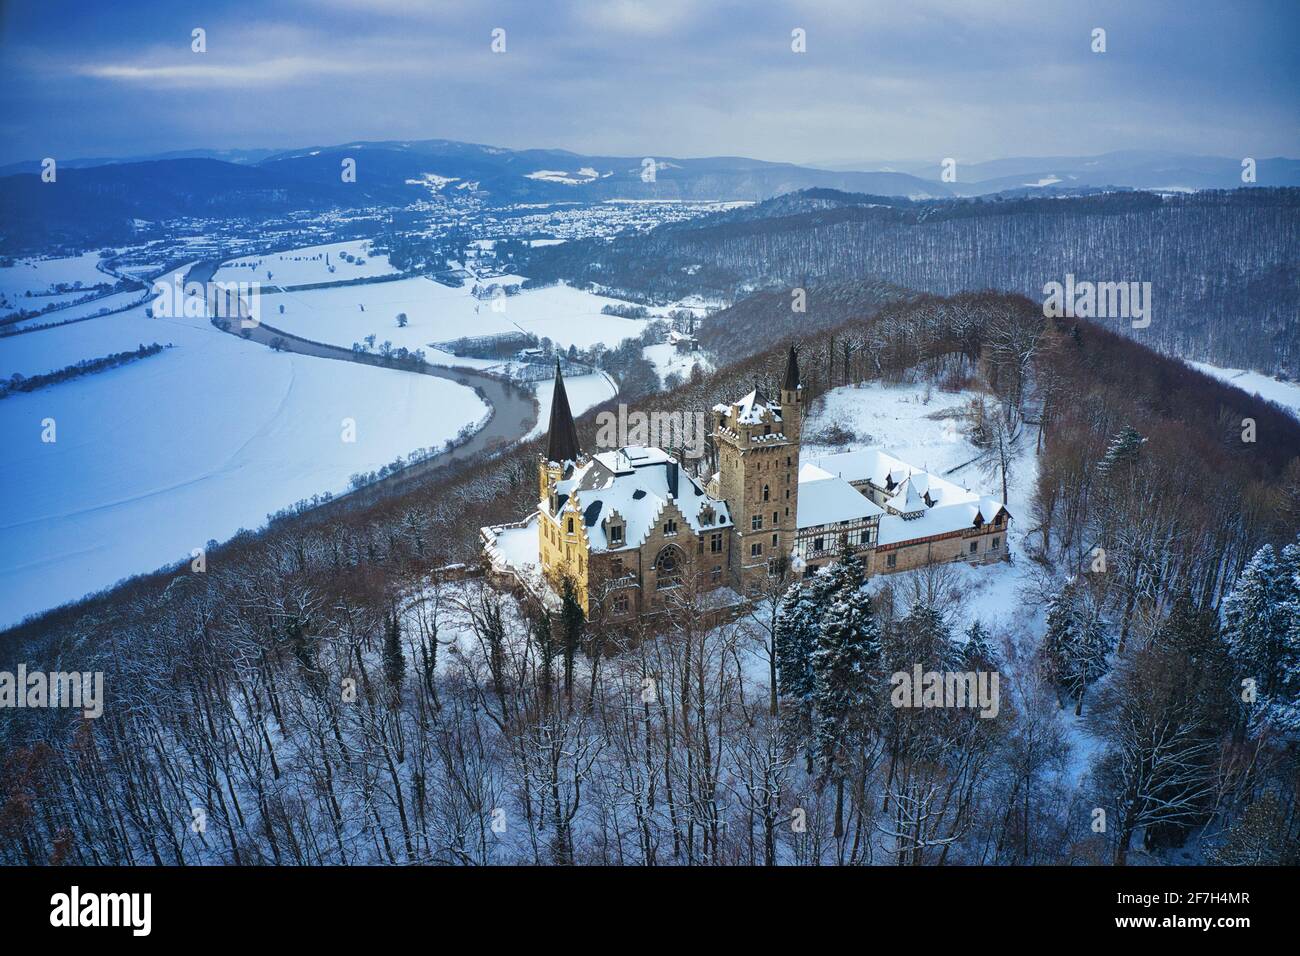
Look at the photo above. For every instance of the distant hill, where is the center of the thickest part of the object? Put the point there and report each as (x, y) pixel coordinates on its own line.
(97, 200)
(1223, 266)
(1133, 169)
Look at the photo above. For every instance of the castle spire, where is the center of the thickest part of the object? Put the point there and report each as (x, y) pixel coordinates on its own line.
(562, 439)
(791, 381)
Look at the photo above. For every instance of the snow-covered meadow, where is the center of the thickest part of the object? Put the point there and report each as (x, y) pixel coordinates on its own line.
(1286, 394)
(667, 360)
(23, 285)
(439, 313)
(332, 262)
(157, 457)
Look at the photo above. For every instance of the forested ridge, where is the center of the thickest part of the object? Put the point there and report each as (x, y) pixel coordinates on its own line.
(1224, 267)
(469, 711)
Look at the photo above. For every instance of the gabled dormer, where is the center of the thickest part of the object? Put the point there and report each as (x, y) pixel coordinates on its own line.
(615, 528)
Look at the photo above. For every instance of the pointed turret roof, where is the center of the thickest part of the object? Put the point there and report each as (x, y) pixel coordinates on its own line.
(791, 381)
(562, 437)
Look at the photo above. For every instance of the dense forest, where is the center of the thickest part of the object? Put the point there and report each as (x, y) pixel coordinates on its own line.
(326, 691)
(1224, 267)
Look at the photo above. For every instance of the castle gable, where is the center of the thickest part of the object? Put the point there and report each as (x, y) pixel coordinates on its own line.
(642, 487)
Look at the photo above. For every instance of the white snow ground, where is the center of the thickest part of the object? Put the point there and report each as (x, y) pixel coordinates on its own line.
(438, 313)
(107, 303)
(41, 275)
(159, 456)
(584, 391)
(308, 265)
(1286, 394)
(666, 360)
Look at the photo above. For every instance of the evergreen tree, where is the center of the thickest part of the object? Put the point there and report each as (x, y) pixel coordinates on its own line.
(1123, 449)
(1261, 624)
(846, 574)
(924, 638)
(1255, 619)
(977, 654)
(573, 622)
(394, 660)
(1074, 647)
(797, 626)
(847, 652)
(539, 627)
(806, 610)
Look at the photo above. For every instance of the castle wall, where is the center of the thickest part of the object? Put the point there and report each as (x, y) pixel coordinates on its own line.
(910, 555)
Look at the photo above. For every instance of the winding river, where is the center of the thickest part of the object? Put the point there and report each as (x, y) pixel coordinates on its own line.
(514, 409)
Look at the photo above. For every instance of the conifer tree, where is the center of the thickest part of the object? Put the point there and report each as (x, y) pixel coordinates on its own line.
(1123, 449)
(1074, 647)
(924, 638)
(847, 654)
(1255, 619)
(394, 660)
(796, 636)
(805, 610)
(573, 622)
(977, 654)
(1261, 625)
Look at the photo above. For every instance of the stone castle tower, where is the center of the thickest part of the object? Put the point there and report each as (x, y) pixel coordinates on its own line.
(758, 475)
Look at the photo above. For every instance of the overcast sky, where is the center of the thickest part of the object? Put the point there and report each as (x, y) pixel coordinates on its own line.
(881, 79)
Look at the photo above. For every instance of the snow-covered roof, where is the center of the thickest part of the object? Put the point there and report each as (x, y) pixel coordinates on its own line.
(826, 499)
(881, 468)
(515, 548)
(941, 519)
(636, 483)
(907, 499)
(751, 410)
(949, 507)
(514, 545)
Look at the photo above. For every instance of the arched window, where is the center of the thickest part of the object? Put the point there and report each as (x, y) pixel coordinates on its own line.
(570, 526)
(668, 567)
(766, 493)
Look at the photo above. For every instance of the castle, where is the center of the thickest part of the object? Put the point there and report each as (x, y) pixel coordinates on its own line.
(629, 528)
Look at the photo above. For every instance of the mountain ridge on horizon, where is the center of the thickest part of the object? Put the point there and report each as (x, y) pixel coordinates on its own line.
(984, 171)
(101, 202)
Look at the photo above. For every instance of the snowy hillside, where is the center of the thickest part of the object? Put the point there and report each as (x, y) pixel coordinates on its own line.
(1286, 394)
(584, 391)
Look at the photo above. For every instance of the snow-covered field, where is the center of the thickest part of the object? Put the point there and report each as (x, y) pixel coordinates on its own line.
(107, 303)
(46, 350)
(584, 391)
(438, 313)
(159, 456)
(41, 275)
(308, 265)
(1286, 394)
